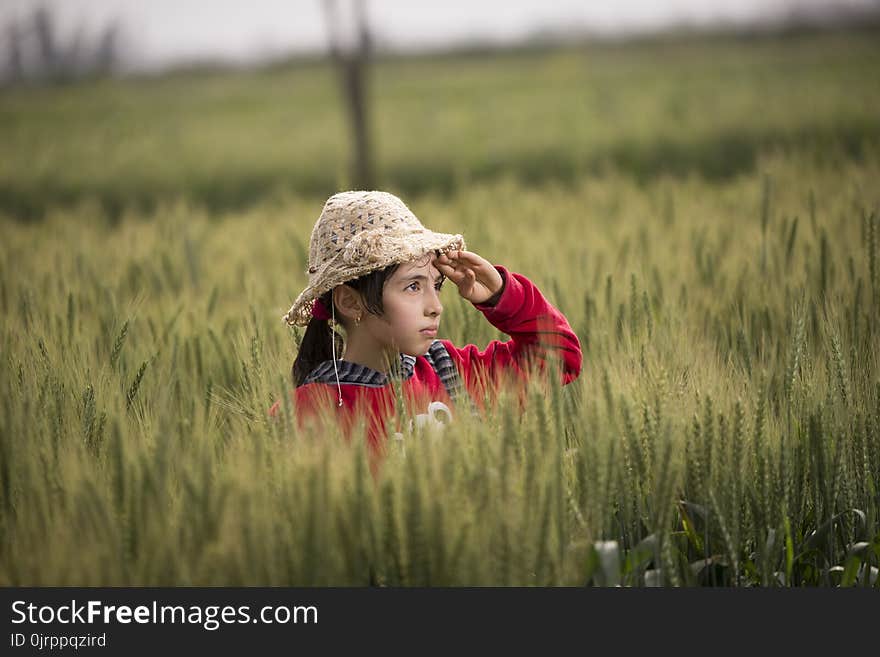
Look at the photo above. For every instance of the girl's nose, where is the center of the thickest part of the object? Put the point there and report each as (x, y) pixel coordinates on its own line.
(433, 306)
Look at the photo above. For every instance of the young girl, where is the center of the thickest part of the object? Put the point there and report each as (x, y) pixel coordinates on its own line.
(375, 270)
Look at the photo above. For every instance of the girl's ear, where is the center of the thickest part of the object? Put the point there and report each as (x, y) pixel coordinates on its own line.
(348, 302)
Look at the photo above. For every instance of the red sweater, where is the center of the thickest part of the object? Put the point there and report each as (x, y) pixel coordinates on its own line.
(539, 334)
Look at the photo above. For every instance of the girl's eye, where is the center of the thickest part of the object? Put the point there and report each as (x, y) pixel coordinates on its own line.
(415, 286)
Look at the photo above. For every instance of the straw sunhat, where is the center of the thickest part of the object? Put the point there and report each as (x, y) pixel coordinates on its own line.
(360, 232)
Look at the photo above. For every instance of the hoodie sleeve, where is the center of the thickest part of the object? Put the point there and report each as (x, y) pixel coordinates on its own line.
(540, 334)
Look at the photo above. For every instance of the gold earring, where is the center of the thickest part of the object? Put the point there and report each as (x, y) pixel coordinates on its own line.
(357, 320)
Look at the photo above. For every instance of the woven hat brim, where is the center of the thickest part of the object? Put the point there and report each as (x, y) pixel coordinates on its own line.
(353, 262)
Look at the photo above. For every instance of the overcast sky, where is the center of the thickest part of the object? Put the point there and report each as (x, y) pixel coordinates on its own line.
(160, 32)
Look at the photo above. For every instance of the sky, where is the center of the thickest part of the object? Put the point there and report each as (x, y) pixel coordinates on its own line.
(160, 33)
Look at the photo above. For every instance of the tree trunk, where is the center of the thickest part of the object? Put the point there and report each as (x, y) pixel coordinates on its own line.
(351, 65)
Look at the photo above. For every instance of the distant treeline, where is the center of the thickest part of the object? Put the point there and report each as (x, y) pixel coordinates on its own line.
(35, 51)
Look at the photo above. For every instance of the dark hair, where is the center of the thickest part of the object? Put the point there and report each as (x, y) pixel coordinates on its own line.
(315, 346)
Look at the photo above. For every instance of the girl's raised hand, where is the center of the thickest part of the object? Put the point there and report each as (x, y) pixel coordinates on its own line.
(476, 278)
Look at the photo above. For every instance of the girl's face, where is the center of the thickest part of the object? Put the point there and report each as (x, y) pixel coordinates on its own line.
(412, 308)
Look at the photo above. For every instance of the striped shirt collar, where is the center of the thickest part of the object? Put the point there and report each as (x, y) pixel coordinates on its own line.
(361, 375)
(355, 374)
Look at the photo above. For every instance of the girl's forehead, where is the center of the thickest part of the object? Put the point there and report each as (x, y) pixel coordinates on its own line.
(424, 265)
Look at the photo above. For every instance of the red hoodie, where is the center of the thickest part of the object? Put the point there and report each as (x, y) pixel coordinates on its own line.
(539, 334)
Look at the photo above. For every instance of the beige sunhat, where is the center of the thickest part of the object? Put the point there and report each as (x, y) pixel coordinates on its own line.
(360, 232)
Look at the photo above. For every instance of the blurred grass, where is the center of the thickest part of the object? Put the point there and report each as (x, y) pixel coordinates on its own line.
(225, 141)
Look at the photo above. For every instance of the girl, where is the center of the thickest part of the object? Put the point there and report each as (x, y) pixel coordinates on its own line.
(375, 270)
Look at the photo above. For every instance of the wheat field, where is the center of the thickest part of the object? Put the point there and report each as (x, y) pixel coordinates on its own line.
(720, 270)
